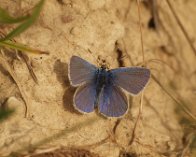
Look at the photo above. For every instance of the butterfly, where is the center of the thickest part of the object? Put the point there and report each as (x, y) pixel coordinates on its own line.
(102, 88)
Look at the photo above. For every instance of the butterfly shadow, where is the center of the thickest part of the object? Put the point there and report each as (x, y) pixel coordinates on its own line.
(61, 70)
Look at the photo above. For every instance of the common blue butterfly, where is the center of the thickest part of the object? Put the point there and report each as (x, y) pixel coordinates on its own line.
(103, 88)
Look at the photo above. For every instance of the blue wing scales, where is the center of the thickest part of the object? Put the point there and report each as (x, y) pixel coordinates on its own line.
(85, 97)
(112, 101)
(81, 71)
(132, 79)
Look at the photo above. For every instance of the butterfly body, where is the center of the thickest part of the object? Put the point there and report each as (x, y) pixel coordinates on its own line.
(102, 88)
(102, 79)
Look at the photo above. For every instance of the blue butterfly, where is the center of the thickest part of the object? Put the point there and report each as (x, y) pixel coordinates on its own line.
(103, 88)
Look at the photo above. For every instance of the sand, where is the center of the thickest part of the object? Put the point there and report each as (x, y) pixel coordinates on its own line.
(98, 30)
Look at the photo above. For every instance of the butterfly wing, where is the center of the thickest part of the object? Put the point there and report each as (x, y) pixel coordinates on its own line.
(112, 101)
(132, 79)
(80, 71)
(85, 97)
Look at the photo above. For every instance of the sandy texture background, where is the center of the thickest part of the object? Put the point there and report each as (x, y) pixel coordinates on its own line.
(99, 30)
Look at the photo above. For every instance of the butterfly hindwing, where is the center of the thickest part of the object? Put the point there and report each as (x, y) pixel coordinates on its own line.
(81, 71)
(112, 101)
(132, 79)
(85, 97)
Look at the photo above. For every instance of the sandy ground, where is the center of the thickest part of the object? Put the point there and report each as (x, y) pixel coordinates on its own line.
(98, 30)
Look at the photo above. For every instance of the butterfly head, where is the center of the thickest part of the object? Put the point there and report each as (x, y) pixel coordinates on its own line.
(104, 67)
(102, 63)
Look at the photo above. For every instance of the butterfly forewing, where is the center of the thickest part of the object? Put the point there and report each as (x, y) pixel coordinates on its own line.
(112, 101)
(85, 98)
(80, 71)
(132, 79)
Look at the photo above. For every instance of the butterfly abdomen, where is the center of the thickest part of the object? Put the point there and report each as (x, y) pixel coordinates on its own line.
(100, 79)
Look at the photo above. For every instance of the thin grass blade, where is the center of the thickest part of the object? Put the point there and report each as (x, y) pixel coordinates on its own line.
(27, 23)
(20, 47)
(5, 113)
(5, 18)
(180, 102)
